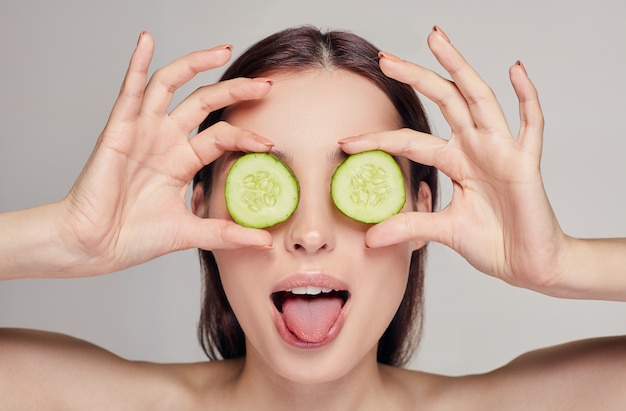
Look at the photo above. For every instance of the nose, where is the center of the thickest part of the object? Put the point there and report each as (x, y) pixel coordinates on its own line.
(311, 228)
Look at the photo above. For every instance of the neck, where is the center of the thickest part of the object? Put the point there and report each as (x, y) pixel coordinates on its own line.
(360, 388)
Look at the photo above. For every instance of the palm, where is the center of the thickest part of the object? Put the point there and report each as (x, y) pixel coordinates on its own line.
(134, 185)
(129, 204)
(497, 205)
(499, 217)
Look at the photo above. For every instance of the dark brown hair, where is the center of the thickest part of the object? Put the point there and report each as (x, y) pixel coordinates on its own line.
(299, 49)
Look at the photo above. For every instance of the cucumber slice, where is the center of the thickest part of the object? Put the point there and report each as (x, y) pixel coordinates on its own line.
(260, 190)
(368, 187)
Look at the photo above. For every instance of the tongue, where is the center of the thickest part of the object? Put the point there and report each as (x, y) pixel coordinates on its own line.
(310, 317)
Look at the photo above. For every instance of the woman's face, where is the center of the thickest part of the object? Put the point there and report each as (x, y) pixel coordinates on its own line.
(313, 338)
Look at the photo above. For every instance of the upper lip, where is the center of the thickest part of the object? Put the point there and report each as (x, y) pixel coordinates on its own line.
(317, 279)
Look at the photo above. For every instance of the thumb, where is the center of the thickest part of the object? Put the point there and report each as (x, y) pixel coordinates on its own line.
(410, 226)
(210, 234)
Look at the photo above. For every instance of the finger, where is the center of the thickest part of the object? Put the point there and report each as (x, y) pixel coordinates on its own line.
(441, 91)
(212, 234)
(132, 90)
(412, 226)
(417, 146)
(165, 81)
(194, 109)
(531, 116)
(481, 101)
(222, 136)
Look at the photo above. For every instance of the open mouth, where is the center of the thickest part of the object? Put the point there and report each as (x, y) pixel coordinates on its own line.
(310, 313)
(308, 292)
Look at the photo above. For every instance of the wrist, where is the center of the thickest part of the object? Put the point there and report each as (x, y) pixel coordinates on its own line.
(35, 244)
(591, 269)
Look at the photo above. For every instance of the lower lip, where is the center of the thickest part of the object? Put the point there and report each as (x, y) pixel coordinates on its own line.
(294, 341)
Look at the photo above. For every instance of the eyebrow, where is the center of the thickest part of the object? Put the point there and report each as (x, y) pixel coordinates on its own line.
(283, 156)
(335, 156)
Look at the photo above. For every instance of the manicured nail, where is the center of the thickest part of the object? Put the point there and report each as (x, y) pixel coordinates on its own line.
(141, 36)
(263, 80)
(441, 32)
(263, 141)
(519, 63)
(388, 56)
(348, 140)
(222, 47)
(263, 247)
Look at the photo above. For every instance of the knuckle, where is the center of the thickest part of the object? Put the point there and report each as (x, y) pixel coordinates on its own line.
(407, 147)
(407, 223)
(161, 78)
(204, 101)
(449, 96)
(240, 89)
(127, 90)
(484, 96)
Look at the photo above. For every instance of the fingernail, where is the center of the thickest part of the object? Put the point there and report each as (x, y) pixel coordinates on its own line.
(388, 56)
(263, 80)
(228, 47)
(141, 36)
(519, 63)
(347, 140)
(437, 29)
(263, 141)
(263, 247)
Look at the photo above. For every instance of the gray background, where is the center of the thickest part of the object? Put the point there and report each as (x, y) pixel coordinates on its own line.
(63, 62)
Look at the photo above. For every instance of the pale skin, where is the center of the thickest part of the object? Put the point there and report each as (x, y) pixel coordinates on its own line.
(98, 232)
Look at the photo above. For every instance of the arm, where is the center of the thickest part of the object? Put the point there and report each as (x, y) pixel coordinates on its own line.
(128, 205)
(499, 218)
(595, 264)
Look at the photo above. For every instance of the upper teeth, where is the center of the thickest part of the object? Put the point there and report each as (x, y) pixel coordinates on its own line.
(309, 290)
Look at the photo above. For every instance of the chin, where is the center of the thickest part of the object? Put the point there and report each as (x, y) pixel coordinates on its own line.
(315, 371)
(325, 365)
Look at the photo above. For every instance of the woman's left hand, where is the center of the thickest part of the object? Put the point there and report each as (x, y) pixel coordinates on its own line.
(499, 217)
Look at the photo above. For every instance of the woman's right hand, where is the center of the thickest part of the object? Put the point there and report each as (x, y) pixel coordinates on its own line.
(129, 203)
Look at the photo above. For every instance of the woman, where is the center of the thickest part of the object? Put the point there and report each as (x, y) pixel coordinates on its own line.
(499, 219)
(295, 52)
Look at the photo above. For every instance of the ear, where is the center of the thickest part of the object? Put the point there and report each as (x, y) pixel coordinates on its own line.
(198, 201)
(424, 200)
(424, 204)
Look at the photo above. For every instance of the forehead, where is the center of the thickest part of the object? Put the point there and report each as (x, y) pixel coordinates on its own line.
(316, 108)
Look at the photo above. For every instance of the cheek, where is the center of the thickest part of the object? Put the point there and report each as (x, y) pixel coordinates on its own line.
(216, 201)
(234, 266)
(217, 207)
(241, 287)
(395, 272)
(387, 280)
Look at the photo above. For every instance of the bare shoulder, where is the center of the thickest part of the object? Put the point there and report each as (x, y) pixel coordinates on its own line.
(586, 374)
(582, 375)
(42, 370)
